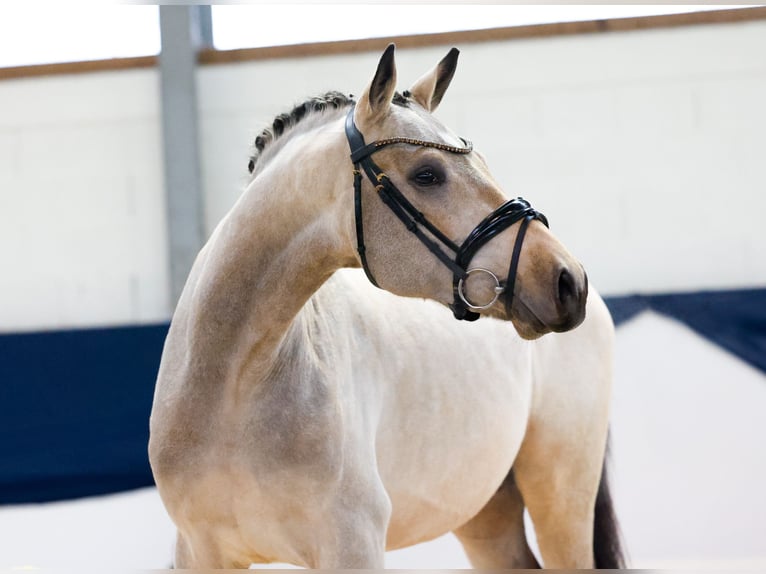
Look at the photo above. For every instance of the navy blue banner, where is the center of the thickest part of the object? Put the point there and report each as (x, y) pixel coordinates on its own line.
(735, 320)
(74, 411)
(74, 405)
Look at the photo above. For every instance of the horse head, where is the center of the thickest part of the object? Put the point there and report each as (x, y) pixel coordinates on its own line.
(432, 222)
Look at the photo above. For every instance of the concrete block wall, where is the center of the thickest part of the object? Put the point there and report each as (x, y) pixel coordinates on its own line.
(82, 207)
(645, 149)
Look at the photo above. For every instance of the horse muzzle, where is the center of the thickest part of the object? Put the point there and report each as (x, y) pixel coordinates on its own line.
(559, 308)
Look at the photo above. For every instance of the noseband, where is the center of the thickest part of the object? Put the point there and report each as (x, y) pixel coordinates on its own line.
(496, 222)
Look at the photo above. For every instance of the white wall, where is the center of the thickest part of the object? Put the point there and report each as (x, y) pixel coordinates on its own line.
(82, 208)
(645, 149)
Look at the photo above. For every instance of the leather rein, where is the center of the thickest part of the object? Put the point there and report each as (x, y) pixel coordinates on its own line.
(511, 212)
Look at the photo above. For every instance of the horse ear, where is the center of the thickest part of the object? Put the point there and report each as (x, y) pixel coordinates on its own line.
(429, 90)
(376, 99)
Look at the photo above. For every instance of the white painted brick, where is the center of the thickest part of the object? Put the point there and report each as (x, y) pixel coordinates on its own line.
(698, 51)
(578, 115)
(737, 103)
(9, 152)
(85, 98)
(226, 142)
(64, 149)
(148, 256)
(97, 297)
(656, 109)
(140, 147)
(32, 300)
(614, 58)
(14, 219)
(83, 229)
(500, 114)
(279, 84)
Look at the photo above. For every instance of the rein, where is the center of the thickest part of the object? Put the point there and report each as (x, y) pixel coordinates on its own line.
(499, 220)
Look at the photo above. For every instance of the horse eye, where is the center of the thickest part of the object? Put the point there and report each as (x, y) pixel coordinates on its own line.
(426, 177)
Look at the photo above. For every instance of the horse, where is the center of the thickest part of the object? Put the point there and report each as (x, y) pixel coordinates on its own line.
(311, 412)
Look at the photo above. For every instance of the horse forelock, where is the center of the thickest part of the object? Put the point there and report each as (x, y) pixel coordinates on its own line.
(329, 101)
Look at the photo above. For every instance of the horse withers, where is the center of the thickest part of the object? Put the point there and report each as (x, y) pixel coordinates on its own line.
(303, 415)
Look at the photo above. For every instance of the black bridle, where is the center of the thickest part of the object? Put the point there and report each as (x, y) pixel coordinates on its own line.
(499, 220)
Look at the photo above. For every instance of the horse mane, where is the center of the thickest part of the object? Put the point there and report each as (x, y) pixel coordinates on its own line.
(284, 122)
(332, 100)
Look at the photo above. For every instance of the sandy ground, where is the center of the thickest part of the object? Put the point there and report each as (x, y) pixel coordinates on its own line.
(689, 461)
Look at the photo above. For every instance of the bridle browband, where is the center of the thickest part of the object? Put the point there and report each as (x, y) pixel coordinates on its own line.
(499, 220)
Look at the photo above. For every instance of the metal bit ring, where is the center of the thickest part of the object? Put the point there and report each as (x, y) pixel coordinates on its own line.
(499, 290)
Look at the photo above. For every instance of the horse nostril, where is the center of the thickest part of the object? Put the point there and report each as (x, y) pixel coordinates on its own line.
(570, 302)
(567, 289)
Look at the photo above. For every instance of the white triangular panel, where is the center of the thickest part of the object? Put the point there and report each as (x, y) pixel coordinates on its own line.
(689, 448)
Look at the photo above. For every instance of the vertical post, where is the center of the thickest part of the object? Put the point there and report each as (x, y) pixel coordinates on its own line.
(204, 15)
(184, 30)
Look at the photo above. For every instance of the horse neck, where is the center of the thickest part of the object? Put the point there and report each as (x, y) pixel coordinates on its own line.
(290, 230)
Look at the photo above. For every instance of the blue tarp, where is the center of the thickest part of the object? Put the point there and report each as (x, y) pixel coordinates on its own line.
(74, 405)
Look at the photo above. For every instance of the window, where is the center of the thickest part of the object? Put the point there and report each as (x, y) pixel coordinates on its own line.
(243, 26)
(41, 33)
(33, 33)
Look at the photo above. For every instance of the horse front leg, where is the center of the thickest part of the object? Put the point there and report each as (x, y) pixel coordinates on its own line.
(495, 538)
(205, 554)
(558, 478)
(345, 531)
(353, 535)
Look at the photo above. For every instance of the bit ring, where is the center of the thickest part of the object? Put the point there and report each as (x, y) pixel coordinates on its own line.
(499, 290)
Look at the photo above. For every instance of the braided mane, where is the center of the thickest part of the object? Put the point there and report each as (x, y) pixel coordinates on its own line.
(283, 122)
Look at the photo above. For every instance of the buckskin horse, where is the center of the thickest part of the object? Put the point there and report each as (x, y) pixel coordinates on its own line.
(311, 413)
